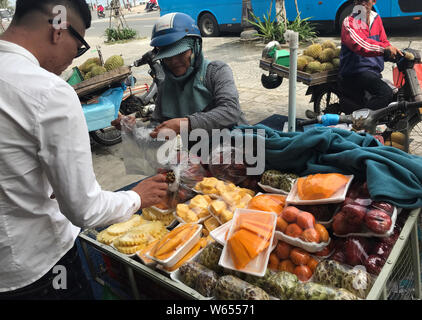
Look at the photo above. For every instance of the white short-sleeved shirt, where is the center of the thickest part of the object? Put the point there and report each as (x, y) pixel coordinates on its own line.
(45, 149)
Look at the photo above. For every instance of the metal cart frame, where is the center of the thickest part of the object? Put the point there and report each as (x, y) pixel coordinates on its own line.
(383, 288)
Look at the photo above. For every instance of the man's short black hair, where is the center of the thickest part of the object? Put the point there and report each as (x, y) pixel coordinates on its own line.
(23, 7)
(361, 1)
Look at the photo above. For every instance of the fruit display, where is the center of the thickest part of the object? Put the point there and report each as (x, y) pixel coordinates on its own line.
(108, 235)
(223, 166)
(251, 233)
(323, 213)
(268, 202)
(199, 278)
(113, 62)
(319, 57)
(92, 67)
(335, 274)
(211, 223)
(316, 291)
(278, 180)
(191, 253)
(320, 185)
(166, 217)
(171, 242)
(297, 261)
(194, 210)
(210, 256)
(359, 215)
(299, 228)
(232, 288)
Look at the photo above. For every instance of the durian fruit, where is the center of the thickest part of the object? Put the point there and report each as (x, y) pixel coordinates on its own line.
(88, 75)
(336, 63)
(314, 50)
(114, 62)
(97, 70)
(328, 44)
(301, 63)
(337, 52)
(313, 67)
(308, 58)
(326, 55)
(87, 65)
(327, 66)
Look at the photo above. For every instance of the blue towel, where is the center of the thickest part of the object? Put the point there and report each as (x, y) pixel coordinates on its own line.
(392, 175)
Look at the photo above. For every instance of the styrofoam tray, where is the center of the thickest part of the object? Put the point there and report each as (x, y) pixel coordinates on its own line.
(270, 189)
(339, 196)
(257, 266)
(373, 234)
(180, 252)
(161, 267)
(297, 242)
(163, 211)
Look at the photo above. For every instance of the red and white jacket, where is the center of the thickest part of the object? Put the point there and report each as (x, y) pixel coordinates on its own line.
(362, 46)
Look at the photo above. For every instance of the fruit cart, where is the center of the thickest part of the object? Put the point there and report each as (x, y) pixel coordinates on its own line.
(399, 279)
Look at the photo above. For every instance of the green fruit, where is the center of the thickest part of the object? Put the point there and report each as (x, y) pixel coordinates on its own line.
(327, 66)
(336, 63)
(313, 50)
(97, 70)
(326, 55)
(301, 63)
(308, 58)
(87, 65)
(337, 52)
(313, 67)
(114, 62)
(328, 44)
(271, 178)
(88, 75)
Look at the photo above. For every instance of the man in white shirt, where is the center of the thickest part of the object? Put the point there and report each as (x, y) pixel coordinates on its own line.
(45, 149)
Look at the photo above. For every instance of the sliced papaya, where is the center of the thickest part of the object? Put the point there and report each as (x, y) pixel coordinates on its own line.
(238, 252)
(253, 243)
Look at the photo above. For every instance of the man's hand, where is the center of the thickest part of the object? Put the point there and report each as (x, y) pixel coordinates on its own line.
(152, 190)
(117, 122)
(394, 51)
(172, 124)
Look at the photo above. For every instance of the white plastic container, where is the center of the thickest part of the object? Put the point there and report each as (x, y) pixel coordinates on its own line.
(181, 251)
(258, 265)
(339, 196)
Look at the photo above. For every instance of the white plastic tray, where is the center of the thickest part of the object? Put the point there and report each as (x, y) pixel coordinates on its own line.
(161, 267)
(339, 196)
(270, 189)
(257, 266)
(297, 242)
(180, 252)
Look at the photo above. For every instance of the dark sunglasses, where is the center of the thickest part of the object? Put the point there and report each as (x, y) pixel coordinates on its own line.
(75, 34)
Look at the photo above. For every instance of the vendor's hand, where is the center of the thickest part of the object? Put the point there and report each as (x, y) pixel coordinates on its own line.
(394, 51)
(172, 124)
(117, 122)
(152, 190)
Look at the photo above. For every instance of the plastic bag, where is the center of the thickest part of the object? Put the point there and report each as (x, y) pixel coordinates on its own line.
(225, 166)
(198, 277)
(358, 215)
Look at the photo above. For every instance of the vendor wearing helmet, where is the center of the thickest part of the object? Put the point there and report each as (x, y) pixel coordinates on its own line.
(194, 89)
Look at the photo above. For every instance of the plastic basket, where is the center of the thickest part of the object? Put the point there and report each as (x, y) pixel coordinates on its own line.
(76, 77)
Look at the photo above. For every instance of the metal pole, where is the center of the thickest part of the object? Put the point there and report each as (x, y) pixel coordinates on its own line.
(293, 39)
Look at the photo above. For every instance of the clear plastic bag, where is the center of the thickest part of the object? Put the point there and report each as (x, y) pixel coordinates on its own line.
(224, 164)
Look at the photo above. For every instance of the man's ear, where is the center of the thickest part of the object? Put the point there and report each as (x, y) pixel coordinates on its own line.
(56, 35)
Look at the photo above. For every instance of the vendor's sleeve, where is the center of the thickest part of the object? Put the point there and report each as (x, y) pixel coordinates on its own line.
(226, 111)
(65, 155)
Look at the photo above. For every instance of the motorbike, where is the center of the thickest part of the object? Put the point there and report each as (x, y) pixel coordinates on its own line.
(101, 14)
(151, 6)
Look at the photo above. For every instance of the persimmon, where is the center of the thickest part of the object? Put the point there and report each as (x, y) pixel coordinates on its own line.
(303, 273)
(323, 233)
(299, 256)
(305, 219)
(286, 265)
(281, 224)
(289, 214)
(293, 230)
(310, 235)
(273, 261)
(282, 250)
(312, 264)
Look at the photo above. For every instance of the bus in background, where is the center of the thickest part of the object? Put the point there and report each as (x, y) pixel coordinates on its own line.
(216, 16)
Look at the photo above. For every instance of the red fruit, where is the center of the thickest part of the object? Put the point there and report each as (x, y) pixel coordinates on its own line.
(387, 207)
(341, 226)
(339, 257)
(378, 221)
(374, 264)
(355, 214)
(355, 251)
(382, 249)
(348, 200)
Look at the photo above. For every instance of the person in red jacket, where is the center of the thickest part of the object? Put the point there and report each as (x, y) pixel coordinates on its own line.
(363, 46)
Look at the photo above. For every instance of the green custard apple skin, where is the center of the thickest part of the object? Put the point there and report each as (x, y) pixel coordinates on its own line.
(114, 62)
(88, 75)
(271, 178)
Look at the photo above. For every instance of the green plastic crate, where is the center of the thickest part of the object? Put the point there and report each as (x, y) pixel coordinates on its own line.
(282, 58)
(76, 77)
